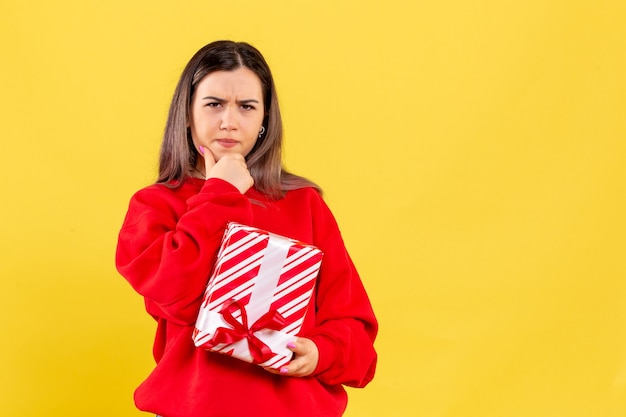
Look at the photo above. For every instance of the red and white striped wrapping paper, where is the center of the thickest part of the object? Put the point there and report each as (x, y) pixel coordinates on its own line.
(259, 278)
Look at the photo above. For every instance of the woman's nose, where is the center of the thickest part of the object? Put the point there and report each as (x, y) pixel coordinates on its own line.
(228, 119)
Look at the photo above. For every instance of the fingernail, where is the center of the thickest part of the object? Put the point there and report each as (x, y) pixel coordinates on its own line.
(284, 370)
(201, 148)
(291, 345)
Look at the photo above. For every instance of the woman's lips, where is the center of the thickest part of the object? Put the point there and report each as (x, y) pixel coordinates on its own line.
(227, 143)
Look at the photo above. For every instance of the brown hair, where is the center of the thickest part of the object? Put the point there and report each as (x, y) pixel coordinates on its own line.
(264, 161)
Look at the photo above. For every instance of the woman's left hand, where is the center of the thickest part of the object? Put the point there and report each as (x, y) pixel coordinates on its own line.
(304, 362)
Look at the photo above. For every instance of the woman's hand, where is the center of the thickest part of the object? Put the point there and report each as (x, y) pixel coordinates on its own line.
(231, 167)
(305, 361)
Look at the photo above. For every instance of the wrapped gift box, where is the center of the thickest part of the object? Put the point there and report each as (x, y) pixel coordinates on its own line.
(257, 296)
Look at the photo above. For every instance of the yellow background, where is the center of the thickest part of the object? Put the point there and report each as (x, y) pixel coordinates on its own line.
(472, 151)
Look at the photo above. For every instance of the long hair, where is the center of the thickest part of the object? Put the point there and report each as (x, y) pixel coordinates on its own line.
(178, 155)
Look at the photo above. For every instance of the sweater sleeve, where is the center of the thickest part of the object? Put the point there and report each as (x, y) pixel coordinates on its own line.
(167, 244)
(345, 323)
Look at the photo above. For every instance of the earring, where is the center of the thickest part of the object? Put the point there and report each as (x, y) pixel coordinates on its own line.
(262, 131)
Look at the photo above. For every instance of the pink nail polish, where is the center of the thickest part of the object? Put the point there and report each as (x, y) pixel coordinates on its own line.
(291, 345)
(284, 370)
(201, 148)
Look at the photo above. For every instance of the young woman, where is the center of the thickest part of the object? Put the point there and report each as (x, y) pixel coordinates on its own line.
(220, 162)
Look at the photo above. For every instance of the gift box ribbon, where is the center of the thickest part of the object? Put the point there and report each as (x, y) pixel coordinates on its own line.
(259, 351)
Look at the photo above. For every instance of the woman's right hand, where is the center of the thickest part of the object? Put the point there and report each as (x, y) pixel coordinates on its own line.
(231, 167)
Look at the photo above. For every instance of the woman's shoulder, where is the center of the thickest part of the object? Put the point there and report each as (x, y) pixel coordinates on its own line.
(171, 191)
(309, 199)
(310, 194)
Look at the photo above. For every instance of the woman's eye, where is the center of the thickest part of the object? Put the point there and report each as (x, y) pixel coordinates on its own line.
(247, 107)
(213, 104)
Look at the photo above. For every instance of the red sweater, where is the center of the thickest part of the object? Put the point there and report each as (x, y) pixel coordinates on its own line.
(166, 250)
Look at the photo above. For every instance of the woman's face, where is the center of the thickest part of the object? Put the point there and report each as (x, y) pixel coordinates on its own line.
(227, 112)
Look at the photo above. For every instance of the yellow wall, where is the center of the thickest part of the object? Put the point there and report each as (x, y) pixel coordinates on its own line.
(473, 152)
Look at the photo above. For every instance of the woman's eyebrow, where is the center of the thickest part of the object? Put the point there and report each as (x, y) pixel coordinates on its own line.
(221, 100)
